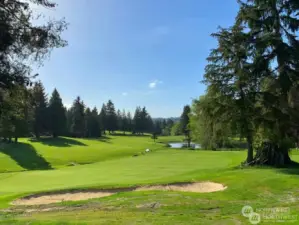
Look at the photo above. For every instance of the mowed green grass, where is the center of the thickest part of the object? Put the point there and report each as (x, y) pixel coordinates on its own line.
(51, 153)
(258, 187)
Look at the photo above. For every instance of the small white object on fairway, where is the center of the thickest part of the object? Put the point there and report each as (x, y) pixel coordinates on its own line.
(147, 150)
(199, 187)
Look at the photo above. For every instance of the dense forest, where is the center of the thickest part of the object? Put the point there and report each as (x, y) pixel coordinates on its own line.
(27, 111)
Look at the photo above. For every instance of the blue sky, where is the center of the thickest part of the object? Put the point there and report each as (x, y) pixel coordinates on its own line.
(136, 52)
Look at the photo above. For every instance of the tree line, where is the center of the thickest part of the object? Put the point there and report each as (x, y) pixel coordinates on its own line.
(29, 112)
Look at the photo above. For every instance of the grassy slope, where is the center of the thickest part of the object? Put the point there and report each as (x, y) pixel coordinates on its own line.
(258, 187)
(49, 153)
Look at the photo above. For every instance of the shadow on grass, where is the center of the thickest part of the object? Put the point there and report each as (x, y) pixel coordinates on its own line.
(292, 169)
(58, 142)
(104, 139)
(26, 156)
(130, 135)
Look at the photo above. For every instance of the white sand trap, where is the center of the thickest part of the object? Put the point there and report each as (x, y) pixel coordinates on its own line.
(42, 199)
(201, 187)
(54, 198)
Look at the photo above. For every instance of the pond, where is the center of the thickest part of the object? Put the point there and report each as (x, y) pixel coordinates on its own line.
(183, 144)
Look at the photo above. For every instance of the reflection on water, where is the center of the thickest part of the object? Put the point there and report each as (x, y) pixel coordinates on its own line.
(183, 144)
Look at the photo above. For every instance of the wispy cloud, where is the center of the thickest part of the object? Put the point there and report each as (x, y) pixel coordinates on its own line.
(124, 94)
(154, 84)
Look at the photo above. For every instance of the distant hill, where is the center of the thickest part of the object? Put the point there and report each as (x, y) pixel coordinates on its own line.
(175, 119)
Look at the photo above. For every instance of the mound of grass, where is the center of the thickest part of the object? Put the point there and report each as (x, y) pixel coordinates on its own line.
(49, 153)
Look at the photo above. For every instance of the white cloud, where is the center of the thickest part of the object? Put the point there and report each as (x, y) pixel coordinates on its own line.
(154, 84)
(124, 94)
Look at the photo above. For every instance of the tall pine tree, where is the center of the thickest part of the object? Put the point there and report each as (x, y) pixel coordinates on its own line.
(40, 114)
(103, 118)
(137, 121)
(95, 127)
(78, 122)
(273, 27)
(57, 115)
(184, 121)
(88, 123)
(111, 124)
(16, 113)
(125, 125)
(129, 122)
(119, 120)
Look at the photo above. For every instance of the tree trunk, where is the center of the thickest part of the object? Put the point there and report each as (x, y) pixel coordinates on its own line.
(188, 141)
(273, 155)
(250, 149)
(16, 139)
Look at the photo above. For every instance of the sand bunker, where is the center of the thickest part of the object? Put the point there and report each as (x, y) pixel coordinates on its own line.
(54, 198)
(41, 199)
(202, 187)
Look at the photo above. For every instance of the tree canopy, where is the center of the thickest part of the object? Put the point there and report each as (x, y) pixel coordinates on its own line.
(252, 79)
(22, 41)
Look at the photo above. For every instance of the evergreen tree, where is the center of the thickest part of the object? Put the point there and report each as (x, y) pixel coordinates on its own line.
(234, 94)
(142, 121)
(92, 125)
(88, 123)
(252, 78)
(111, 117)
(78, 121)
(129, 122)
(184, 122)
(25, 39)
(40, 113)
(16, 113)
(57, 115)
(69, 120)
(119, 120)
(149, 124)
(103, 118)
(137, 121)
(274, 39)
(125, 123)
(95, 127)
